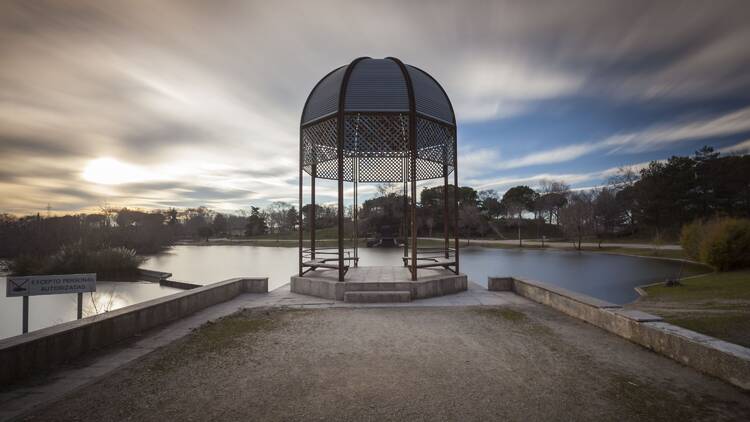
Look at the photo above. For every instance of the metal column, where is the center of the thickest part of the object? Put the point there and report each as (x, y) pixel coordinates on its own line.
(313, 211)
(355, 217)
(301, 228)
(404, 223)
(455, 193)
(340, 137)
(445, 203)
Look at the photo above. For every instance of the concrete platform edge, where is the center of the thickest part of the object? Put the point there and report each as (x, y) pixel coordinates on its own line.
(420, 289)
(727, 361)
(27, 354)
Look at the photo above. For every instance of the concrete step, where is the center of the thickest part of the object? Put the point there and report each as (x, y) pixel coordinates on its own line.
(385, 296)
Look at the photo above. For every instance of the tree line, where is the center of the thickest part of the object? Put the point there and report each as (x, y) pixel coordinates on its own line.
(653, 203)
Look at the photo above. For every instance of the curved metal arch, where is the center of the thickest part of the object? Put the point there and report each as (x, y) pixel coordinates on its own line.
(340, 133)
(410, 159)
(307, 101)
(445, 94)
(412, 163)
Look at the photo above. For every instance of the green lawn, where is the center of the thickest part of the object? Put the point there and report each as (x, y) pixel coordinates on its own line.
(651, 252)
(716, 304)
(327, 238)
(733, 285)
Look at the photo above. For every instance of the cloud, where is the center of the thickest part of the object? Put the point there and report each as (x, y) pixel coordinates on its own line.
(219, 107)
(555, 155)
(599, 177)
(499, 87)
(476, 161)
(740, 148)
(659, 136)
(652, 138)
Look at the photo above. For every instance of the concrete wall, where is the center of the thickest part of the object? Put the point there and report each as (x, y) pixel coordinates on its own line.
(27, 354)
(421, 289)
(151, 275)
(719, 358)
(179, 284)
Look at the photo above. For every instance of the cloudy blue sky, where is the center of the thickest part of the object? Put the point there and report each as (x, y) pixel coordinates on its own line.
(157, 104)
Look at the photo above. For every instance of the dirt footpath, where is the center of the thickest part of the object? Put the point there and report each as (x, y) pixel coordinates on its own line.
(460, 363)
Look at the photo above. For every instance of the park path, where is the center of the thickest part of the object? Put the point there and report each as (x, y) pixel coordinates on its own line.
(477, 355)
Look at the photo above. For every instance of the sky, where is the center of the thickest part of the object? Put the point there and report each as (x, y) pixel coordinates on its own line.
(156, 104)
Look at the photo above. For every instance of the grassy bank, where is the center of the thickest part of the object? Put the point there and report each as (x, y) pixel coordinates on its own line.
(716, 304)
(649, 253)
(329, 241)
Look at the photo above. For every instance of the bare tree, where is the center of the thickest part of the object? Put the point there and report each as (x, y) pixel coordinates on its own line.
(607, 213)
(469, 220)
(278, 216)
(626, 176)
(578, 217)
(553, 195)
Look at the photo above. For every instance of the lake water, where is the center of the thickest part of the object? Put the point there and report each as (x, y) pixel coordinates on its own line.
(605, 276)
(45, 311)
(608, 277)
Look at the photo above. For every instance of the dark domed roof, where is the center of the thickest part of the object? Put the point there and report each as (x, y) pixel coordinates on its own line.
(378, 85)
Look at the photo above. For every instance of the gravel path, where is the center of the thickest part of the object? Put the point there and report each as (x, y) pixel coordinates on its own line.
(463, 363)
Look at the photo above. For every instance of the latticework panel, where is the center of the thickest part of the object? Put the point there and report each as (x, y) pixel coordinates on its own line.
(381, 169)
(319, 147)
(376, 135)
(435, 147)
(380, 142)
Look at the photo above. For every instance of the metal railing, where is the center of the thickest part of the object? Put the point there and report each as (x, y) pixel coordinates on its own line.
(329, 253)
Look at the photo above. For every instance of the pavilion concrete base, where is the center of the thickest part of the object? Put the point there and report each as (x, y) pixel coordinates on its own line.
(379, 284)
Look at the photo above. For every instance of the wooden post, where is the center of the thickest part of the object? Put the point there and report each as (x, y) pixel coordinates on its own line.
(79, 314)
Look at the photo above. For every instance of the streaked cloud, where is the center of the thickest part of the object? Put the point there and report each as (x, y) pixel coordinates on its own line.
(740, 148)
(572, 179)
(657, 137)
(198, 103)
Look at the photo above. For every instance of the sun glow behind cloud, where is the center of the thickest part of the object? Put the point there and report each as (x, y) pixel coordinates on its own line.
(126, 104)
(108, 171)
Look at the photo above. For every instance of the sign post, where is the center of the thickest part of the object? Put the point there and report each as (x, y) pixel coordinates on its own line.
(25, 323)
(49, 285)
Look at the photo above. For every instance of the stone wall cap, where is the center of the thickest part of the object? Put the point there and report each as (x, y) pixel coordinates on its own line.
(58, 329)
(636, 315)
(578, 297)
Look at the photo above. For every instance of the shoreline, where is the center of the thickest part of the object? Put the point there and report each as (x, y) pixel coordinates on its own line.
(623, 251)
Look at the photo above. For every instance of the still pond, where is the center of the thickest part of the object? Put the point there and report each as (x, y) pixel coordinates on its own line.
(608, 277)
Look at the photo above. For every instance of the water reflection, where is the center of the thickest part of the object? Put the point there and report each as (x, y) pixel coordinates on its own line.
(609, 277)
(45, 311)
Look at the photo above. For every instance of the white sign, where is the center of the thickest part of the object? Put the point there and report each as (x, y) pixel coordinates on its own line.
(50, 284)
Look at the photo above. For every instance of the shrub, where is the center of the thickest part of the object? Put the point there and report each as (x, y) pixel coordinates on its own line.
(691, 237)
(26, 265)
(115, 261)
(75, 258)
(722, 243)
(727, 244)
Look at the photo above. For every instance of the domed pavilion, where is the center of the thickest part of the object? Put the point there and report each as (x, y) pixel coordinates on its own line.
(378, 121)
